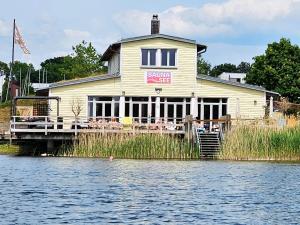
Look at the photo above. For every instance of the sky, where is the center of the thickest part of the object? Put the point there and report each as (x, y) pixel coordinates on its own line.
(233, 30)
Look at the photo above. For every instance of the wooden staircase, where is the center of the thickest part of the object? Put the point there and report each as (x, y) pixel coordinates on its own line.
(209, 144)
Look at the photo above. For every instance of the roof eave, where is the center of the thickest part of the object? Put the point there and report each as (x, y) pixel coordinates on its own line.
(110, 51)
(81, 81)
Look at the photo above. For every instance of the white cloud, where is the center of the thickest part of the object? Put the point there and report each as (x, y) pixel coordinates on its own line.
(76, 34)
(211, 18)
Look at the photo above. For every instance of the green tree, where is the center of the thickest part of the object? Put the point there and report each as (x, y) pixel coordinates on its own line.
(203, 66)
(56, 69)
(87, 60)
(278, 69)
(4, 67)
(243, 67)
(83, 62)
(226, 67)
(22, 67)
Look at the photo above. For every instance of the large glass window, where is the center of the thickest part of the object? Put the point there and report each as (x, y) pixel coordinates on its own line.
(102, 106)
(168, 57)
(164, 57)
(149, 57)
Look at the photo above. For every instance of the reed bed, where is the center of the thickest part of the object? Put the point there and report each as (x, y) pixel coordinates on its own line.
(246, 142)
(129, 146)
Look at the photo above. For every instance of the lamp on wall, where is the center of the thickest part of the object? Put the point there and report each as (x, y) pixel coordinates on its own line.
(158, 90)
(123, 93)
(193, 94)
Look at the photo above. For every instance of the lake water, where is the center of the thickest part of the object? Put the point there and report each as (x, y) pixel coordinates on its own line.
(94, 191)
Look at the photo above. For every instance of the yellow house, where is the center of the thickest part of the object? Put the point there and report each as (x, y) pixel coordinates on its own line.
(154, 77)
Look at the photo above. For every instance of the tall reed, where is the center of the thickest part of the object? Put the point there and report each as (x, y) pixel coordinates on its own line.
(129, 146)
(246, 142)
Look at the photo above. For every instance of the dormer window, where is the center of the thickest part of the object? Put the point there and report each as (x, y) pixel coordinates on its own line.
(149, 57)
(168, 57)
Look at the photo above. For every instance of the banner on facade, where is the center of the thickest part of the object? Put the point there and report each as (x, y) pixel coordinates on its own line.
(157, 77)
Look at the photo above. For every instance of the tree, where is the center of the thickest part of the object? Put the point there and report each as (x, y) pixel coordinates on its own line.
(83, 62)
(24, 68)
(76, 106)
(203, 66)
(4, 67)
(87, 60)
(278, 69)
(227, 67)
(57, 69)
(243, 67)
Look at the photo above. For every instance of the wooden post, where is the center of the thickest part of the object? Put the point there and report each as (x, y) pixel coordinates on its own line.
(271, 108)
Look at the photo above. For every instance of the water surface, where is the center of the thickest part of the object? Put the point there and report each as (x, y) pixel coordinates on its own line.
(94, 191)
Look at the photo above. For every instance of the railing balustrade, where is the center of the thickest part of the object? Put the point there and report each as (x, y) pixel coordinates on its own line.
(50, 124)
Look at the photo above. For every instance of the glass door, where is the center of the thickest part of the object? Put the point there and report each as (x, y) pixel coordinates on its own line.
(171, 112)
(144, 112)
(179, 113)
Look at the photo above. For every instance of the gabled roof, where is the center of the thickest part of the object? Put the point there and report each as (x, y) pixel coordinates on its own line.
(237, 84)
(82, 80)
(112, 48)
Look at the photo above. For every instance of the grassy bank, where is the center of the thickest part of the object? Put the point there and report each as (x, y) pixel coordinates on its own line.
(6, 149)
(126, 146)
(258, 143)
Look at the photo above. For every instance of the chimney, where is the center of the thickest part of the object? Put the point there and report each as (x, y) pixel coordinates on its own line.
(155, 25)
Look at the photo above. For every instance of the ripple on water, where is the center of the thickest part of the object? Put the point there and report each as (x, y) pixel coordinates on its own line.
(83, 191)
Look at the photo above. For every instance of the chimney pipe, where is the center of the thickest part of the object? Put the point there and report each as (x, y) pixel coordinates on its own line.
(155, 23)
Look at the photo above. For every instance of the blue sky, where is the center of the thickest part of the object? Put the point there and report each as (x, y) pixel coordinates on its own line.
(233, 30)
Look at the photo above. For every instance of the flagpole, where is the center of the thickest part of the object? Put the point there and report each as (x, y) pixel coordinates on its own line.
(12, 60)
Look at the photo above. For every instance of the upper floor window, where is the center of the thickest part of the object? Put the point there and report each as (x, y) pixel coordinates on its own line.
(168, 57)
(149, 57)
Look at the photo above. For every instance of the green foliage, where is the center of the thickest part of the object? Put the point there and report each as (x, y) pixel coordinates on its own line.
(86, 59)
(255, 142)
(243, 67)
(226, 67)
(56, 69)
(4, 91)
(4, 67)
(6, 149)
(203, 66)
(83, 62)
(278, 69)
(247, 142)
(129, 146)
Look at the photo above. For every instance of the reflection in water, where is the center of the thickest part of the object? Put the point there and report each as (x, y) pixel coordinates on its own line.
(81, 191)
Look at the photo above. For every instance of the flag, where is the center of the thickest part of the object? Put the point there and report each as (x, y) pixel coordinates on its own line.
(20, 41)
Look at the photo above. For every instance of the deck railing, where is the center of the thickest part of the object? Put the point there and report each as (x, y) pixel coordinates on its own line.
(50, 124)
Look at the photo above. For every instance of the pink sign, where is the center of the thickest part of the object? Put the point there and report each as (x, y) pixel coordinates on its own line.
(156, 77)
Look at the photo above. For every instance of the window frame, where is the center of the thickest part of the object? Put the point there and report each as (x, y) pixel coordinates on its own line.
(168, 57)
(149, 57)
(158, 58)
